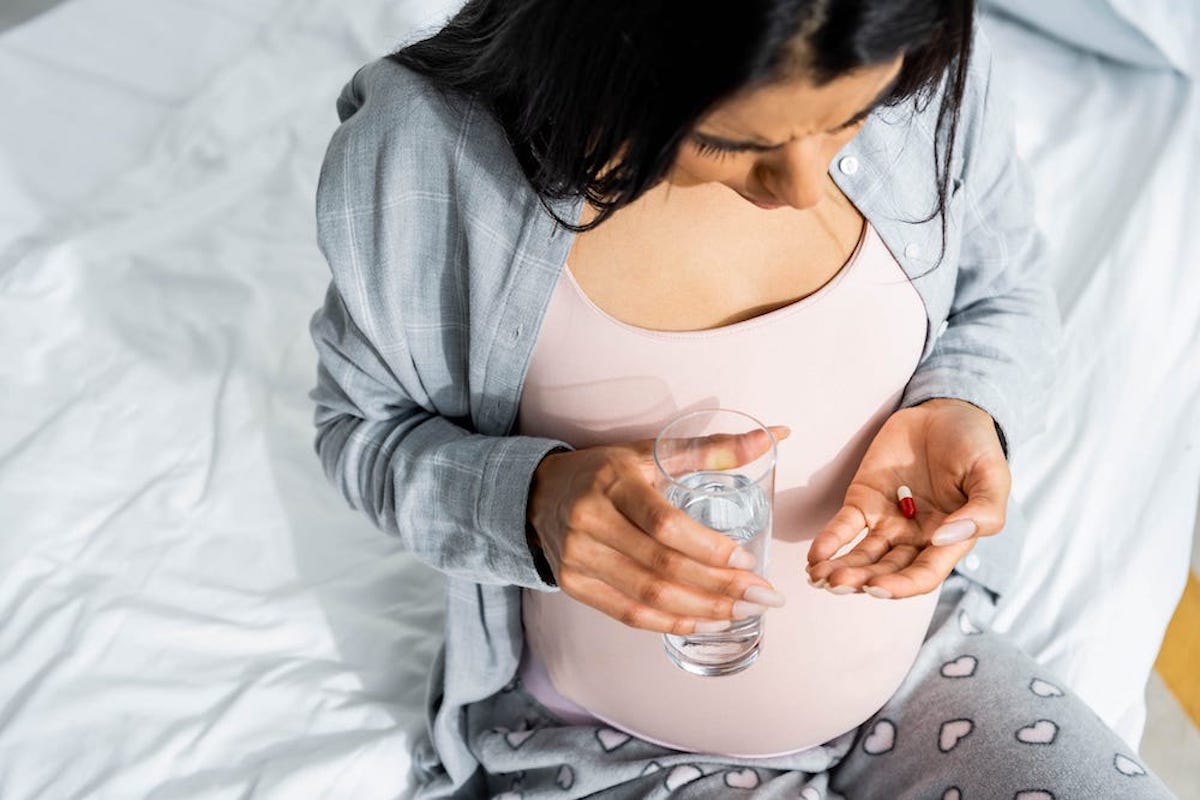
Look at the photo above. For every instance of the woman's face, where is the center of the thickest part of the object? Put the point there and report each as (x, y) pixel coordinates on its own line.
(773, 145)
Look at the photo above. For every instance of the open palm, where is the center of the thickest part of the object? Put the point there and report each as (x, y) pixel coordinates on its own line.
(947, 452)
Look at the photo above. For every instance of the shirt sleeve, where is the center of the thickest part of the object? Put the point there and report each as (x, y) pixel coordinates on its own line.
(393, 396)
(999, 347)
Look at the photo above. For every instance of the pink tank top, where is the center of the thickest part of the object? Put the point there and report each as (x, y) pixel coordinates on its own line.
(832, 366)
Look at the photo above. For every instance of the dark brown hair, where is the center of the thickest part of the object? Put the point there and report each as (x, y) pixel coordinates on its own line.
(578, 84)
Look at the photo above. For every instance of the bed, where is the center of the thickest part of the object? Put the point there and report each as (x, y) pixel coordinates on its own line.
(187, 608)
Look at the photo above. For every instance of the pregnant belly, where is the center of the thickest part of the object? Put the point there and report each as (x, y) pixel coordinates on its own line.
(827, 663)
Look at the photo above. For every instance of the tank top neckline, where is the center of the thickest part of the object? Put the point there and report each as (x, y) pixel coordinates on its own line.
(734, 327)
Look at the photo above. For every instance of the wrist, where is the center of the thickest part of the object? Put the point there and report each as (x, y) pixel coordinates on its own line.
(941, 401)
(532, 539)
(936, 401)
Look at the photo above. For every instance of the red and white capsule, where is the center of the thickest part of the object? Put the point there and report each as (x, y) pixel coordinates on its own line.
(908, 506)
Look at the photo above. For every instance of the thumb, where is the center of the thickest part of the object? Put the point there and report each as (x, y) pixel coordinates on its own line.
(984, 512)
(717, 451)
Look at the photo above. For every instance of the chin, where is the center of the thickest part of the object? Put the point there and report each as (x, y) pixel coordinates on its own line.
(762, 203)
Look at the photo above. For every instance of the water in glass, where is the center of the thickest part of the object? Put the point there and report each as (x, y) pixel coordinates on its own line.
(741, 510)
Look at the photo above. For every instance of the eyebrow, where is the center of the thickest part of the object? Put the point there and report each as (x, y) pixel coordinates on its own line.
(759, 146)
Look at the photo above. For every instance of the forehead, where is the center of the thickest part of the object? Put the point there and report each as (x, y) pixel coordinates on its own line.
(778, 111)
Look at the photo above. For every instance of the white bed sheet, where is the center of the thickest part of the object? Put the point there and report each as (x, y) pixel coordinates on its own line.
(186, 607)
(1111, 487)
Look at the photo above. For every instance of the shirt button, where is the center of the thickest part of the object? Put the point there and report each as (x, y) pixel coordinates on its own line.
(912, 250)
(971, 562)
(848, 165)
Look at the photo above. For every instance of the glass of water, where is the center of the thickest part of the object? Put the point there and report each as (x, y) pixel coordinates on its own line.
(724, 479)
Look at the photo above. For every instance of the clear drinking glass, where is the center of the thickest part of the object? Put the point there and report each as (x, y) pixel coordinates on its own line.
(702, 476)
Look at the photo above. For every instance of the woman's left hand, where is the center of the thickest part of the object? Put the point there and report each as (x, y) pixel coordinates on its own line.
(947, 452)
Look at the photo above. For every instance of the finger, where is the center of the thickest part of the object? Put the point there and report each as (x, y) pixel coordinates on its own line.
(616, 604)
(926, 573)
(659, 590)
(868, 551)
(617, 533)
(720, 450)
(652, 514)
(986, 487)
(897, 558)
(845, 525)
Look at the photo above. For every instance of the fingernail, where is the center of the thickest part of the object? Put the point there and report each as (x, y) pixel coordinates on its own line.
(742, 559)
(820, 584)
(714, 626)
(954, 532)
(744, 610)
(764, 596)
(843, 589)
(878, 591)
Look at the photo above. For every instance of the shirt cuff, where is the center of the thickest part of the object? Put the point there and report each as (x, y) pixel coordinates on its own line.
(502, 510)
(531, 535)
(945, 383)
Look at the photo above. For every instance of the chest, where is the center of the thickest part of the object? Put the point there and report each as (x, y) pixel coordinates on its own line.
(703, 257)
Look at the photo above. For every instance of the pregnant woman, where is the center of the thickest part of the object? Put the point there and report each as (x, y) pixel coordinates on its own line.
(552, 227)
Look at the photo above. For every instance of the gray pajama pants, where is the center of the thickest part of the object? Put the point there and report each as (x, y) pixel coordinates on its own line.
(975, 719)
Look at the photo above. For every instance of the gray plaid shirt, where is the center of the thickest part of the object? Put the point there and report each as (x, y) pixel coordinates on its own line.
(443, 263)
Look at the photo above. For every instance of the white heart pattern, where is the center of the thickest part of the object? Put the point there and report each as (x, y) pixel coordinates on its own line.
(1041, 732)
(965, 625)
(1127, 766)
(953, 732)
(517, 738)
(685, 773)
(653, 766)
(881, 739)
(566, 777)
(961, 667)
(1043, 689)
(809, 793)
(610, 740)
(953, 793)
(1034, 794)
(742, 779)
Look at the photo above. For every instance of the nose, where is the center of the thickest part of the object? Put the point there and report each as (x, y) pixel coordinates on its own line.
(797, 174)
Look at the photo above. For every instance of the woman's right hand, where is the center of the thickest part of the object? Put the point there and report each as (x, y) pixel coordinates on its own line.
(614, 543)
